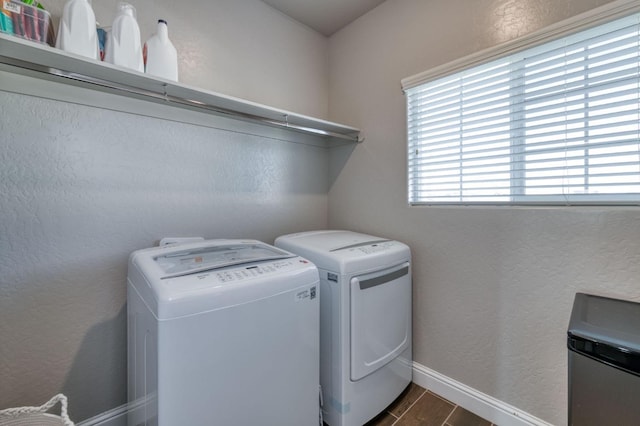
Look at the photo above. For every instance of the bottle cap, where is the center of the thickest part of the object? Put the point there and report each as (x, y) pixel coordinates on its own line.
(126, 9)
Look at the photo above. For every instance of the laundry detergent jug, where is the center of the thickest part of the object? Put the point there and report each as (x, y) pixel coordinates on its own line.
(123, 45)
(77, 29)
(161, 57)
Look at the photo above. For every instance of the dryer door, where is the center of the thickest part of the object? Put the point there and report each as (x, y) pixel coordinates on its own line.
(380, 318)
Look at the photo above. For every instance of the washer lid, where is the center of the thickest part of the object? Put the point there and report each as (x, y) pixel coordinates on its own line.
(189, 261)
(192, 278)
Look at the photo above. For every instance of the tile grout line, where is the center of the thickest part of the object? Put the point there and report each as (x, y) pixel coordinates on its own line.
(441, 398)
(392, 415)
(449, 416)
(409, 408)
(448, 402)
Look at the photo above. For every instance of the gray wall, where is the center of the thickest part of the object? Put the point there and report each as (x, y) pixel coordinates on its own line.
(493, 287)
(81, 187)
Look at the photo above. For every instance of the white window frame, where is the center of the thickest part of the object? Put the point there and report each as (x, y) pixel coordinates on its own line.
(610, 12)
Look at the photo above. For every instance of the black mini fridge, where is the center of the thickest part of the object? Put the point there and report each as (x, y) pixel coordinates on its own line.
(604, 362)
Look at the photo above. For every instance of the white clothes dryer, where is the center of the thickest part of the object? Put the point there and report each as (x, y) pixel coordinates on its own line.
(365, 320)
(222, 332)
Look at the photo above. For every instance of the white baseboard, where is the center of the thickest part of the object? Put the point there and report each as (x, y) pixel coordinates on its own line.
(472, 400)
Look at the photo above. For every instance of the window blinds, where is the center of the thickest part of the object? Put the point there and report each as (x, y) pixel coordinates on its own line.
(555, 124)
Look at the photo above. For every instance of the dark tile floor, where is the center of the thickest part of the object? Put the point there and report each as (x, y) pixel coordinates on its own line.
(417, 406)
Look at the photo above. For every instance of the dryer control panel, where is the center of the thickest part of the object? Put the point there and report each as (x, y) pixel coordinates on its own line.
(376, 247)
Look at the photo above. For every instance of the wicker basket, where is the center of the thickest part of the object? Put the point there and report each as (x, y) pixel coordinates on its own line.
(33, 419)
(37, 416)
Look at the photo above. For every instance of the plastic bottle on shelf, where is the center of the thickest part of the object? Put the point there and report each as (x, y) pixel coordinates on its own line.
(160, 56)
(103, 33)
(6, 23)
(123, 45)
(77, 29)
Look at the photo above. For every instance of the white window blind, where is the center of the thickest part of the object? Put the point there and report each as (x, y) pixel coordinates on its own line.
(555, 124)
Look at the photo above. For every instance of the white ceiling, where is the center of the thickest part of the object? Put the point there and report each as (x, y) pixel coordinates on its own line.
(324, 16)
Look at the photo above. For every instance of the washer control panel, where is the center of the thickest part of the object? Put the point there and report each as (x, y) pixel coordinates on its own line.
(240, 273)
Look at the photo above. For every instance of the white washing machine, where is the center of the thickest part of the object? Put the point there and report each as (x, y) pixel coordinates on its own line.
(365, 320)
(222, 332)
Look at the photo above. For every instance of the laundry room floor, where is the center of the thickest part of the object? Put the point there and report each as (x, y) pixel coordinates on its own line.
(417, 406)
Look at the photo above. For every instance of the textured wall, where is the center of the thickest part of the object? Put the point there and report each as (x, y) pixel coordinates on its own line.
(493, 287)
(82, 187)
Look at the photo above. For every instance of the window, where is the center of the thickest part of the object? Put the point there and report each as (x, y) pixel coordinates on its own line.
(558, 123)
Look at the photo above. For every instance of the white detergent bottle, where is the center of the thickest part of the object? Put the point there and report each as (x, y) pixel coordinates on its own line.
(77, 29)
(123, 46)
(161, 57)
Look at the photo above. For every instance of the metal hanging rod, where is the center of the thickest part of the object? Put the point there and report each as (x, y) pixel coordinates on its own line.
(50, 63)
(202, 105)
